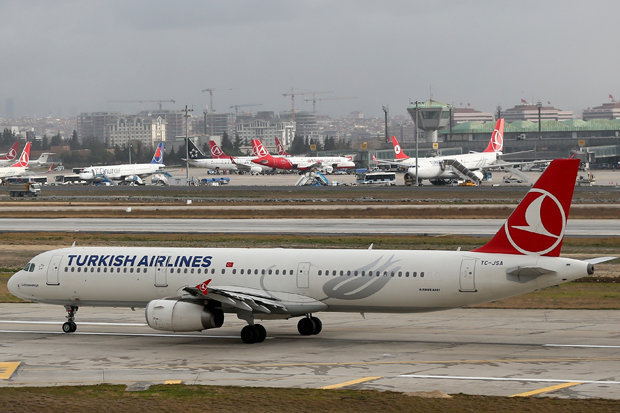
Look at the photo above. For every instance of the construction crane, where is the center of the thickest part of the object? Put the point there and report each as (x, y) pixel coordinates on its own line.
(314, 99)
(158, 101)
(293, 93)
(243, 106)
(210, 110)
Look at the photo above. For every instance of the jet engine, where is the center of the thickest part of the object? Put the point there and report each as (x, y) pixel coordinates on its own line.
(177, 315)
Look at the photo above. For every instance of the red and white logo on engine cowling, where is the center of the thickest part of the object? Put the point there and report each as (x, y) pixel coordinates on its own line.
(540, 229)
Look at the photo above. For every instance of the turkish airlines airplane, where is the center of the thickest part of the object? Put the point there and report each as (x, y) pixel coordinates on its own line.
(191, 289)
(280, 148)
(20, 167)
(325, 163)
(199, 160)
(239, 163)
(8, 157)
(133, 172)
(466, 166)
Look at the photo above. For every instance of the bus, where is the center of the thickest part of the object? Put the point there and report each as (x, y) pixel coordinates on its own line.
(380, 178)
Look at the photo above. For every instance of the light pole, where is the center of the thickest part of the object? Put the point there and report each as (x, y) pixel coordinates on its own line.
(499, 112)
(129, 154)
(385, 111)
(417, 182)
(187, 116)
(539, 106)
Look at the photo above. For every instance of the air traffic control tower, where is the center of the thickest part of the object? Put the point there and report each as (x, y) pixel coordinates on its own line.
(432, 116)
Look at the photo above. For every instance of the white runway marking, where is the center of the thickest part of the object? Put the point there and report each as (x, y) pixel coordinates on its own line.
(85, 323)
(528, 379)
(86, 333)
(579, 345)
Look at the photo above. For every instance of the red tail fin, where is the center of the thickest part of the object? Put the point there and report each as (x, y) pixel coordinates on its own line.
(216, 151)
(11, 153)
(24, 157)
(280, 148)
(536, 226)
(397, 150)
(259, 149)
(496, 143)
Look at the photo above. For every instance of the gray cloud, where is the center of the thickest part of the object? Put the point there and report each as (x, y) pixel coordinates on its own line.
(67, 56)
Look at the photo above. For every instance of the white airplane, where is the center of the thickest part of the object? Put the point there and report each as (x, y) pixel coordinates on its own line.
(220, 162)
(134, 172)
(41, 161)
(20, 167)
(190, 289)
(302, 163)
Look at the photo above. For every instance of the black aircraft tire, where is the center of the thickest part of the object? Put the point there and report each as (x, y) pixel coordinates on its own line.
(318, 325)
(306, 326)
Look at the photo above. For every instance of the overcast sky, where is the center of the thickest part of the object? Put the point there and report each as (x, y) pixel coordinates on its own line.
(65, 57)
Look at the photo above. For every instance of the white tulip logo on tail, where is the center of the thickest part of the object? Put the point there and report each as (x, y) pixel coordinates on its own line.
(541, 228)
(497, 141)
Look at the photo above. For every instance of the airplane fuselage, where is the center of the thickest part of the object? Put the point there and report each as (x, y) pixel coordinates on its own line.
(121, 171)
(434, 168)
(342, 280)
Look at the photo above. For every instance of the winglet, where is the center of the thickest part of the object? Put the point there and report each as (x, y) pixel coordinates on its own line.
(537, 225)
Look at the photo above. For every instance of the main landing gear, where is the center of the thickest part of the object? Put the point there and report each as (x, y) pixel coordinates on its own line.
(69, 326)
(309, 326)
(253, 333)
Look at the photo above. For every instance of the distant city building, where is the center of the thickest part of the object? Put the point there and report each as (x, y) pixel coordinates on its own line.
(462, 115)
(266, 131)
(220, 124)
(146, 130)
(96, 125)
(605, 111)
(175, 122)
(530, 112)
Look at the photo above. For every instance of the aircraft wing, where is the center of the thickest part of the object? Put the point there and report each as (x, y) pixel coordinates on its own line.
(250, 299)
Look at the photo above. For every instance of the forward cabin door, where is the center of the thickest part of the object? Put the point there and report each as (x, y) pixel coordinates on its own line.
(52, 270)
(467, 278)
(303, 270)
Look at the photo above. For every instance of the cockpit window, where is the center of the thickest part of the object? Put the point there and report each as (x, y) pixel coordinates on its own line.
(29, 267)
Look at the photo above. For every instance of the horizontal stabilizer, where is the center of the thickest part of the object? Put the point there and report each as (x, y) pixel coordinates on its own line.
(528, 271)
(599, 260)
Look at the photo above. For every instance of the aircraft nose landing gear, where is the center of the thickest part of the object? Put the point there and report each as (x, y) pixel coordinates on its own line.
(69, 326)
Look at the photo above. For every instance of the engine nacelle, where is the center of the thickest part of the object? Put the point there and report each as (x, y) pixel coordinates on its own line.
(176, 315)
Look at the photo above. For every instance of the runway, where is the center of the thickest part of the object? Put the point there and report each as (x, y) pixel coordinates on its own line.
(589, 227)
(563, 353)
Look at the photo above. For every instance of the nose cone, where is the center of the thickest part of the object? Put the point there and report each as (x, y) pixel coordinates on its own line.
(13, 284)
(86, 175)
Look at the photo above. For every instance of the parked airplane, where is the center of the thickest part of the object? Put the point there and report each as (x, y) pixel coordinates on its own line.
(128, 173)
(324, 163)
(8, 157)
(241, 163)
(199, 160)
(190, 289)
(41, 161)
(280, 148)
(466, 166)
(18, 168)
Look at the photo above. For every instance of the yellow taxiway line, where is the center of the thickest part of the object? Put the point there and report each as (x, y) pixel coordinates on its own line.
(546, 389)
(350, 382)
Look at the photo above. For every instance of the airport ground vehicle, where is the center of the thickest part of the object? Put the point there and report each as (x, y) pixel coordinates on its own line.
(381, 178)
(23, 189)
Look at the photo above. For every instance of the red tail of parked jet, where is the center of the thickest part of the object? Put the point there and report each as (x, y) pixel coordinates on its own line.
(496, 143)
(217, 152)
(397, 149)
(537, 226)
(265, 158)
(11, 153)
(24, 157)
(280, 148)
